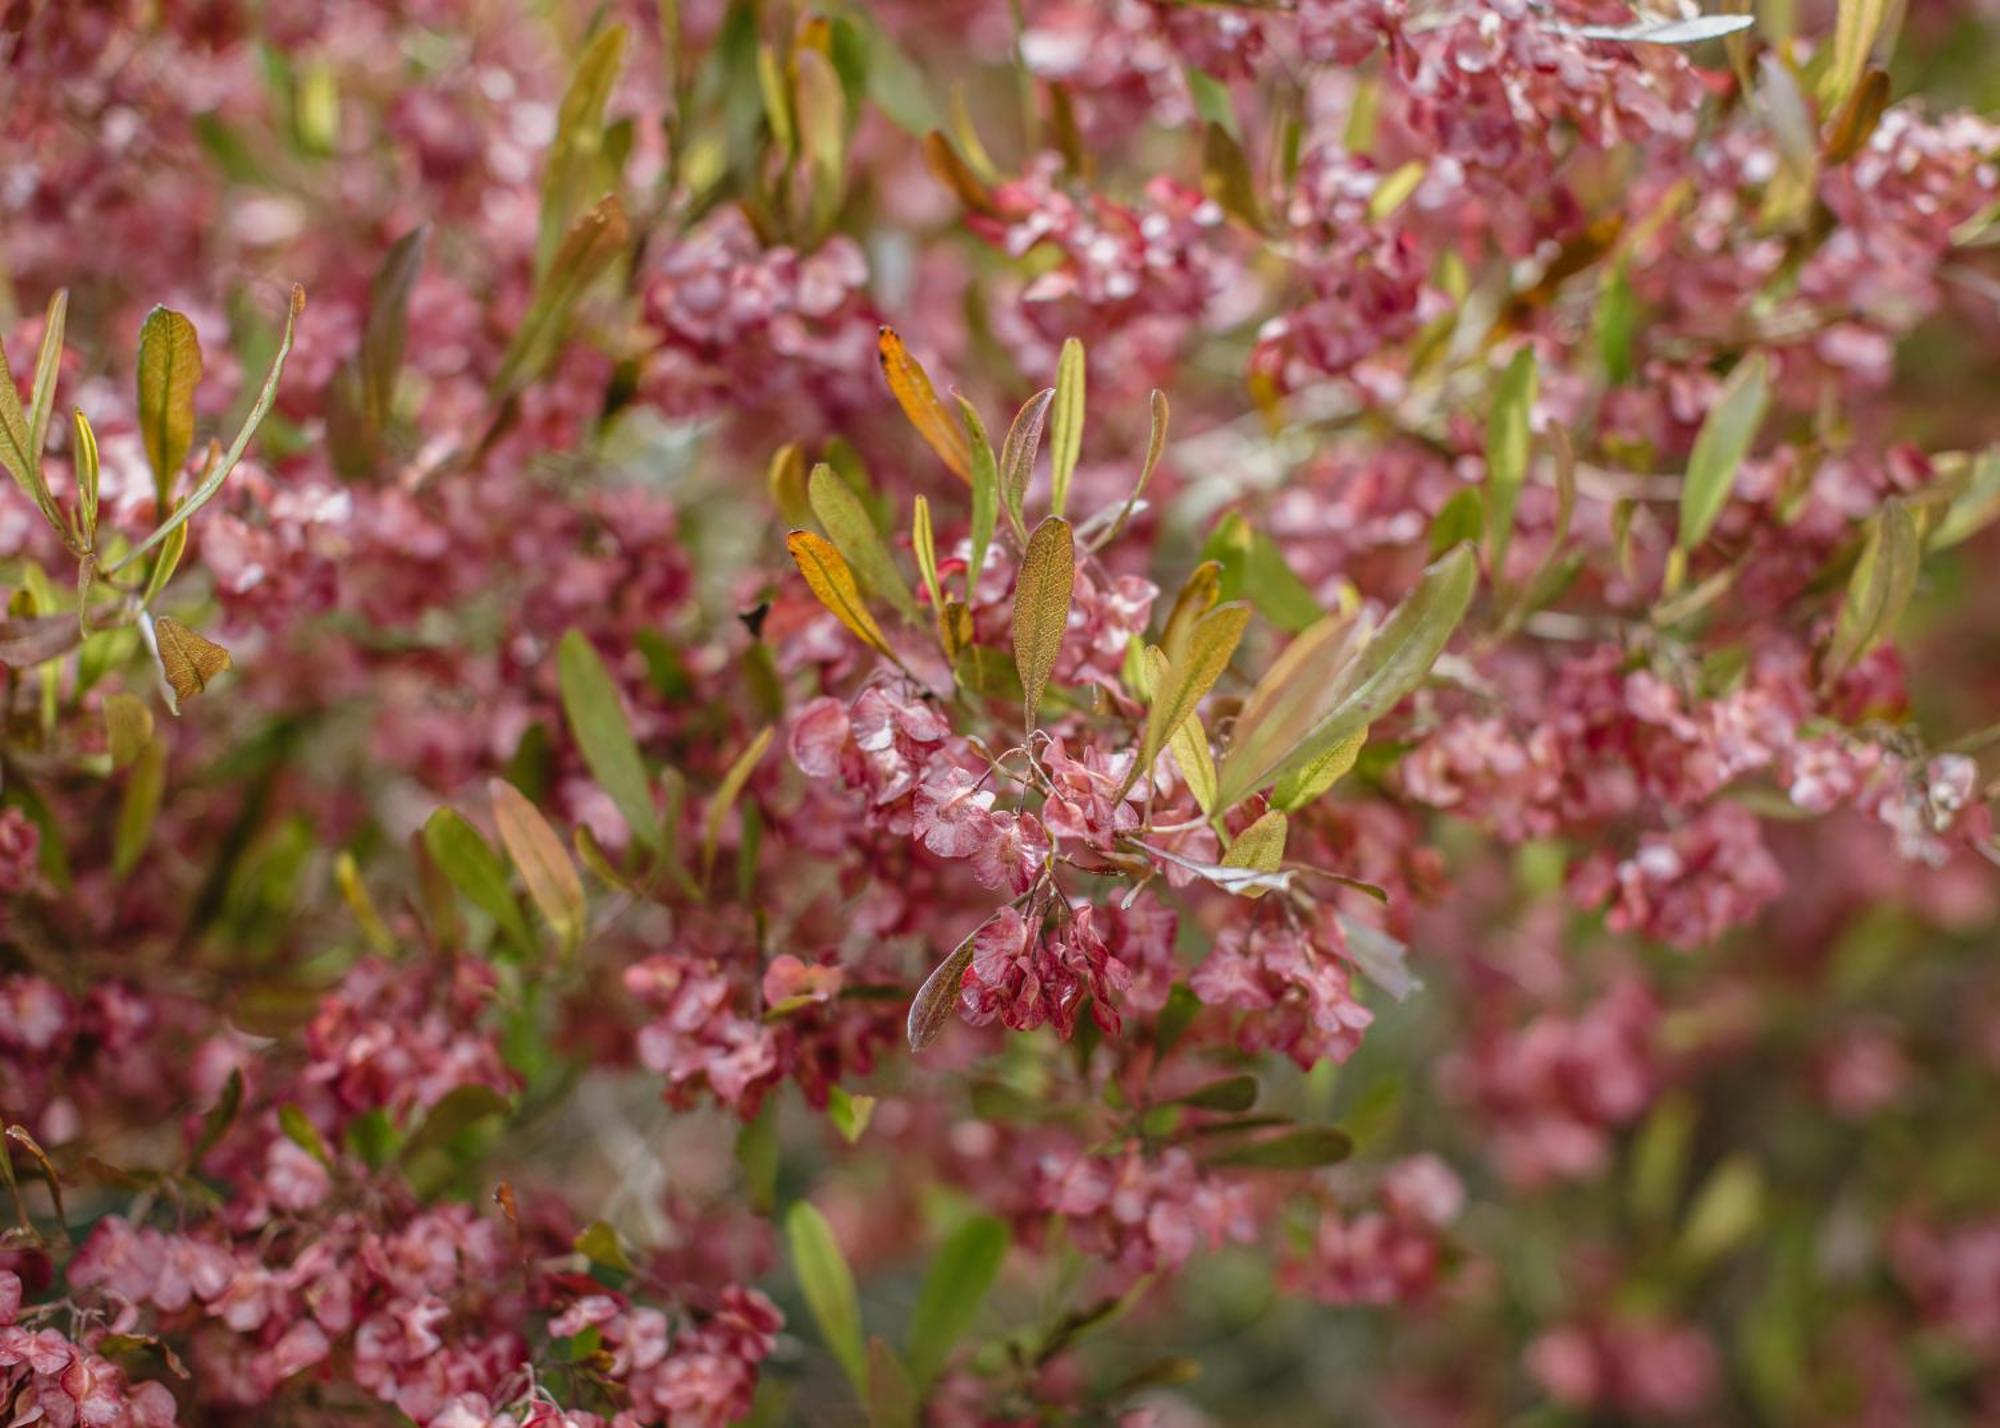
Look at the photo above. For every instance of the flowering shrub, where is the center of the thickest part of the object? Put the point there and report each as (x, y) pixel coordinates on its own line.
(968, 713)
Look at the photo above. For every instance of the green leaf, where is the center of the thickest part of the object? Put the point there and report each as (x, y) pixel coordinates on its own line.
(456, 1112)
(1975, 506)
(828, 1286)
(1879, 590)
(1298, 1150)
(1721, 445)
(892, 1397)
(215, 1122)
(588, 249)
(985, 494)
(935, 1000)
(1295, 790)
(1066, 424)
(1156, 445)
(848, 525)
(48, 367)
(1017, 456)
(1335, 681)
(1509, 440)
(923, 544)
(1226, 177)
(575, 163)
(757, 1157)
(1614, 323)
(20, 435)
(1191, 752)
(1179, 689)
(301, 1132)
(212, 482)
(597, 722)
(137, 810)
(598, 1242)
(86, 477)
(544, 863)
(1232, 1093)
(961, 1274)
(469, 861)
(1726, 1211)
(726, 794)
(385, 333)
(1041, 608)
(850, 1114)
(1254, 569)
(128, 727)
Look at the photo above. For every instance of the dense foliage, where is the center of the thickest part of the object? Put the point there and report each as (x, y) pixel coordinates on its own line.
(932, 711)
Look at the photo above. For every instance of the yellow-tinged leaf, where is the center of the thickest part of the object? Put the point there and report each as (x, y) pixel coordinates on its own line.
(1066, 424)
(923, 542)
(542, 861)
(128, 726)
(1857, 27)
(1041, 608)
(1295, 791)
(355, 892)
(830, 579)
(1017, 456)
(955, 628)
(1156, 445)
(726, 794)
(1878, 591)
(1198, 595)
(847, 523)
(86, 477)
(188, 660)
(139, 807)
(1259, 848)
(1394, 189)
(1186, 680)
(169, 367)
(787, 482)
(955, 173)
(919, 401)
(1191, 752)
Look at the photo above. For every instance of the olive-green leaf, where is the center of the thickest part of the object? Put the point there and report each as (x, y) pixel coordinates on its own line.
(1878, 591)
(1232, 1093)
(1205, 653)
(457, 1111)
(1191, 752)
(169, 368)
(1296, 1150)
(828, 1286)
(1041, 608)
(1066, 424)
(1720, 446)
(468, 860)
(985, 493)
(219, 472)
(1017, 456)
(848, 525)
(574, 156)
(386, 330)
(144, 788)
(597, 722)
(1156, 445)
(1295, 790)
(1341, 681)
(960, 1275)
(1508, 442)
(726, 793)
(544, 864)
(86, 477)
(48, 367)
(1260, 848)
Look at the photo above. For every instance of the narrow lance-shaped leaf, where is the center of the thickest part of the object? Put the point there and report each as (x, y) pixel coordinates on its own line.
(86, 477)
(144, 787)
(544, 863)
(169, 367)
(919, 401)
(923, 544)
(48, 366)
(852, 531)
(1297, 1150)
(1041, 608)
(726, 794)
(1191, 752)
(20, 449)
(1156, 445)
(828, 1286)
(1209, 646)
(573, 156)
(469, 861)
(932, 1006)
(833, 583)
(1295, 790)
(386, 331)
(1719, 448)
(1508, 443)
(1334, 700)
(1879, 590)
(961, 1274)
(596, 238)
(1017, 457)
(596, 716)
(1066, 424)
(212, 482)
(1857, 25)
(985, 494)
